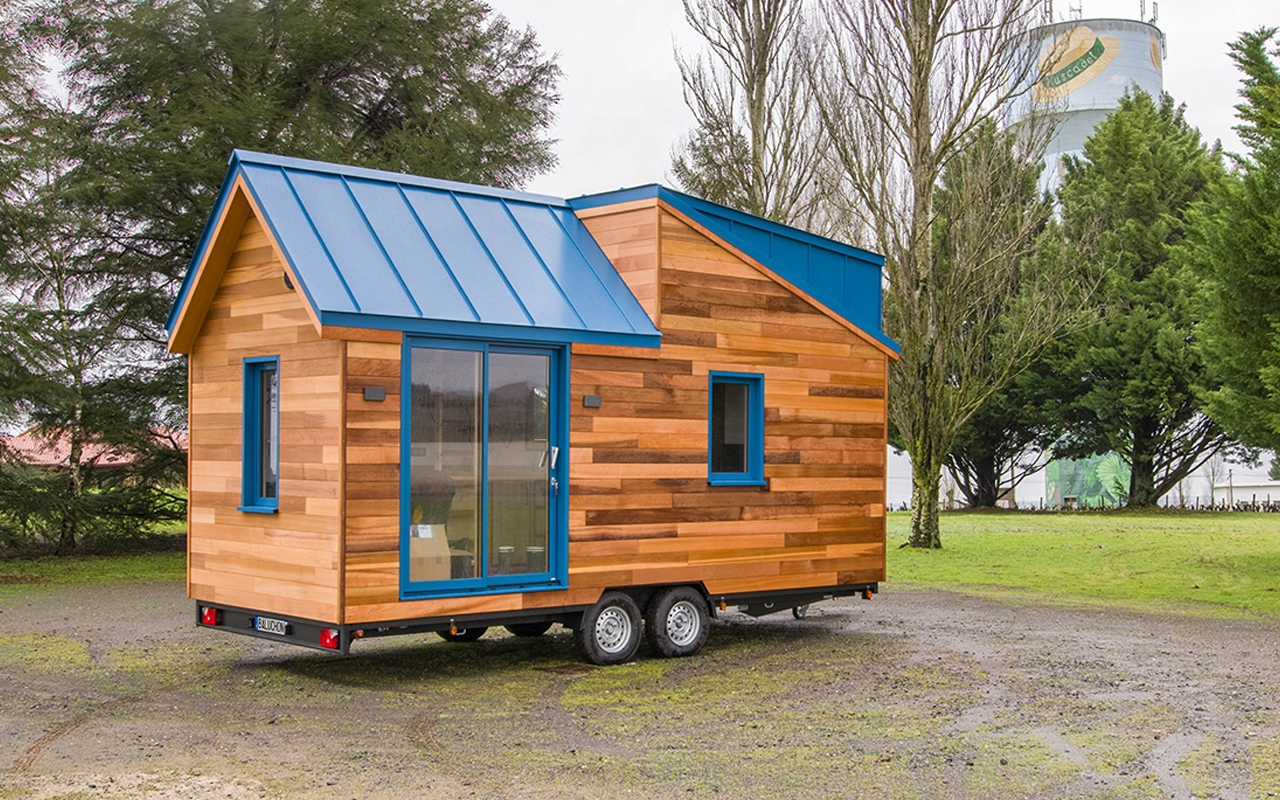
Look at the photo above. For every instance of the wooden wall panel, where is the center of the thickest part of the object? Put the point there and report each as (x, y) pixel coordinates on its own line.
(373, 476)
(288, 562)
(640, 503)
(630, 239)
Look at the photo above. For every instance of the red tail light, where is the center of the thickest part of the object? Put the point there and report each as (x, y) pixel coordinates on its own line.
(210, 616)
(329, 638)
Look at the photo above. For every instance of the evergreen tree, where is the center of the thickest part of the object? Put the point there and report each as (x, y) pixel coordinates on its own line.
(106, 192)
(80, 373)
(1134, 375)
(1235, 244)
(170, 87)
(1005, 441)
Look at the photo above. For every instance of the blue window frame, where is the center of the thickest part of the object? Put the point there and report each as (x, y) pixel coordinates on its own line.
(260, 469)
(735, 429)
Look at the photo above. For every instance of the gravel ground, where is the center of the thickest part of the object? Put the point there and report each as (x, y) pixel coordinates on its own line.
(114, 693)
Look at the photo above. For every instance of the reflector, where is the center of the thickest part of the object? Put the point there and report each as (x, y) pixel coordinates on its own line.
(329, 638)
(210, 616)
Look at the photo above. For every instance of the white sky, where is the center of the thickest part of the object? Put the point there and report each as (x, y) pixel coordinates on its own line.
(622, 111)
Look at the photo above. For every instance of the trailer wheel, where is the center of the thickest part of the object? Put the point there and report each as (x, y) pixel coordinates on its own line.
(528, 628)
(800, 612)
(463, 634)
(610, 630)
(676, 622)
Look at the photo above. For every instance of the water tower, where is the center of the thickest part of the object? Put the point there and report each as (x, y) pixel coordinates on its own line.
(1084, 67)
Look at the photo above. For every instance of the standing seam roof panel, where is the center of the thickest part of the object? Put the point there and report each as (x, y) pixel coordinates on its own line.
(566, 264)
(407, 243)
(487, 292)
(487, 247)
(523, 268)
(291, 228)
(350, 242)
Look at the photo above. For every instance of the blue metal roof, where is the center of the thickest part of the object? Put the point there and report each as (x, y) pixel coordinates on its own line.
(375, 249)
(845, 279)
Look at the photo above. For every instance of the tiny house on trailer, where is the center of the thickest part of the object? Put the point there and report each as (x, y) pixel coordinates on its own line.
(418, 405)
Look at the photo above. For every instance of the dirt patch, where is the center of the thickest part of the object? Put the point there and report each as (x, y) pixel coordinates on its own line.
(114, 693)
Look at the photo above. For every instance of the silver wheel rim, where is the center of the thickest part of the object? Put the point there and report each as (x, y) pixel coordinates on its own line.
(683, 623)
(613, 630)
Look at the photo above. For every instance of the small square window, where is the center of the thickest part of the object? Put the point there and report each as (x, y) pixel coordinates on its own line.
(735, 442)
(261, 457)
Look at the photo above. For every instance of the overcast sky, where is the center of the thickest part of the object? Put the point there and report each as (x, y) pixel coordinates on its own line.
(621, 108)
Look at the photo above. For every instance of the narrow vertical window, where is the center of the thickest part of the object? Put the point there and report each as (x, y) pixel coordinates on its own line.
(735, 442)
(261, 462)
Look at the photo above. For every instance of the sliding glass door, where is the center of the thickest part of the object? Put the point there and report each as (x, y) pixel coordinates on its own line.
(483, 467)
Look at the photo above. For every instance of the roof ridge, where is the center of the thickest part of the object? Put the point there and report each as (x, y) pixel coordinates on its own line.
(239, 156)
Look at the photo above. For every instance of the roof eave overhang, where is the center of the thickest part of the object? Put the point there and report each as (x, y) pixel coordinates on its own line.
(461, 329)
(236, 203)
(231, 210)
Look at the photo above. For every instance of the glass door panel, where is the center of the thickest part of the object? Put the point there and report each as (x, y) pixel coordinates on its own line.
(446, 419)
(520, 461)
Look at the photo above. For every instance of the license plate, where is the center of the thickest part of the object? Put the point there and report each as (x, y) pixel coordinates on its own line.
(269, 625)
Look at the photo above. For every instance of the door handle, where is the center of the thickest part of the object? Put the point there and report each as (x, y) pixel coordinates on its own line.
(555, 456)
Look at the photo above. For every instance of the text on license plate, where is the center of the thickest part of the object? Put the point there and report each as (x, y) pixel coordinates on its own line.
(269, 625)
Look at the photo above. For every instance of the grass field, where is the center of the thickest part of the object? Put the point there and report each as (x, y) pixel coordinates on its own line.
(18, 575)
(1194, 562)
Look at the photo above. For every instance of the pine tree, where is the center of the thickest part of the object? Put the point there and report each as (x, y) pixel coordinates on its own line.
(1136, 372)
(1235, 244)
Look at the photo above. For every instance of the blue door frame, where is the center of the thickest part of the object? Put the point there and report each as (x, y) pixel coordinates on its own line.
(556, 575)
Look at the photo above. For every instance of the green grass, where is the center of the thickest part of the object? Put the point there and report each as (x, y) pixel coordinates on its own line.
(1167, 561)
(20, 574)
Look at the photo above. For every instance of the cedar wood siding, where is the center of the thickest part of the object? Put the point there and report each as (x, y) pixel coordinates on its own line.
(641, 510)
(288, 562)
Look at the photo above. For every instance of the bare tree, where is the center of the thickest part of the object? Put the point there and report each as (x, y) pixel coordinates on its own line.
(1214, 470)
(905, 89)
(758, 145)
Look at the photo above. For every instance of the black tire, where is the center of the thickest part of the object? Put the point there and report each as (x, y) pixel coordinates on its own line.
(463, 634)
(610, 630)
(528, 628)
(676, 622)
(800, 612)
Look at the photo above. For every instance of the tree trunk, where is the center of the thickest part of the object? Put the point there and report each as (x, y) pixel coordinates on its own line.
(983, 490)
(67, 533)
(1142, 478)
(988, 488)
(925, 479)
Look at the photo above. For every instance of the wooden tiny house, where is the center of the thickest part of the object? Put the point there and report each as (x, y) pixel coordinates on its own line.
(420, 405)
